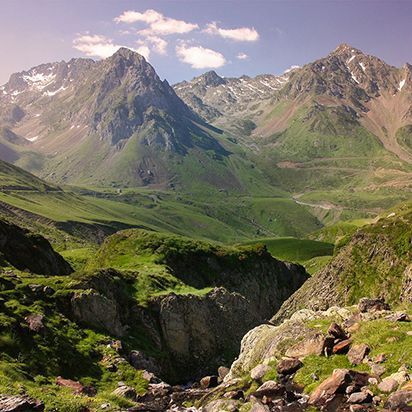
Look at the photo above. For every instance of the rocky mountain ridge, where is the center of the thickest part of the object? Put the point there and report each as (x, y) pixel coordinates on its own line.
(116, 116)
(212, 96)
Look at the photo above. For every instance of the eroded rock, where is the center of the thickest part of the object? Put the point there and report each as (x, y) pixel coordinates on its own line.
(288, 366)
(357, 353)
(20, 403)
(372, 305)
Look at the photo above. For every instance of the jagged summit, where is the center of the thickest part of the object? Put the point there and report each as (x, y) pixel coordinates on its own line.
(127, 53)
(345, 48)
(211, 78)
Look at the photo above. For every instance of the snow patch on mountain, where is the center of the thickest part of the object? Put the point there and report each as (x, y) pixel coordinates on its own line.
(39, 81)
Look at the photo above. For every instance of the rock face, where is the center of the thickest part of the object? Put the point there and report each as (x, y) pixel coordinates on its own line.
(98, 311)
(191, 327)
(266, 342)
(27, 251)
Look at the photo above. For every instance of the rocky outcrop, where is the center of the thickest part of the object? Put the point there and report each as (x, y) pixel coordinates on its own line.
(20, 403)
(202, 332)
(27, 251)
(96, 310)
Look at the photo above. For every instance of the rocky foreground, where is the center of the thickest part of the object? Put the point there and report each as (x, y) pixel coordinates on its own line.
(354, 358)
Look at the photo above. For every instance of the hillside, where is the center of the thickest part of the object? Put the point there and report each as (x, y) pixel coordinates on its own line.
(373, 262)
(92, 329)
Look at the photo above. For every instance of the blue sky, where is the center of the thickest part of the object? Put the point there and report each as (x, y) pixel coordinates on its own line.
(185, 38)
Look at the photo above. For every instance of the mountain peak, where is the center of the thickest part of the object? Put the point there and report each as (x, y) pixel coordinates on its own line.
(128, 54)
(211, 78)
(345, 49)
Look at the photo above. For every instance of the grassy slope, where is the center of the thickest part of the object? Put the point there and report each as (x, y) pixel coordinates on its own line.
(209, 219)
(65, 349)
(325, 155)
(296, 250)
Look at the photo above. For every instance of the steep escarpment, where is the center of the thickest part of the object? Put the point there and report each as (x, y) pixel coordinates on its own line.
(375, 261)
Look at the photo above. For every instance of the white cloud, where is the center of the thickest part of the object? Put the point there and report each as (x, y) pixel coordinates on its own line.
(144, 51)
(159, 45)
(242, 56)
(199, 57)
(95, 45)
(151, 44)
(158, 23)
(239, 34)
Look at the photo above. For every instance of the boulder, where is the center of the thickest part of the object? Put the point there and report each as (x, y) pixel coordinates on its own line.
(234, 395)
(76, 387)
(336, 331)
(388, 385)
(209, 382)
(360, 397)
(150, 377)
(259, 407)
(20, 403)
(360, 408)
(160, 389)
(288, 366)
(125, 391)
(399, 401)
(259, 371)
(266, 343)
(327, 390)
(139, 360)
(357, 353)
(219, 405)
(342, 347)
(372, 305)
(35, 322)
(377, 370)
(398, 317)
(380, 358)
(269, 389)
(222, 372)
(313, 345)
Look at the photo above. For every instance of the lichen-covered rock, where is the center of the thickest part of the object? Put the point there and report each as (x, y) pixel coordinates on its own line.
(91, 308)
(267, 342)
(357, 353)
(192, 332)
(20, 403)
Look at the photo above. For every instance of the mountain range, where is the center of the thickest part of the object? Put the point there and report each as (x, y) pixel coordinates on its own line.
(332, 134)
(137, 218)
